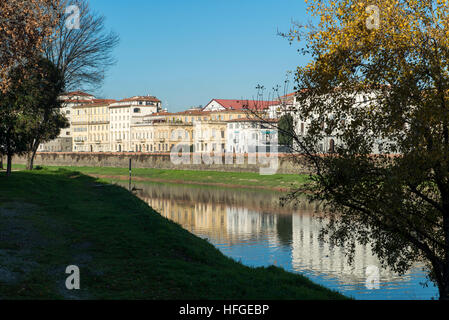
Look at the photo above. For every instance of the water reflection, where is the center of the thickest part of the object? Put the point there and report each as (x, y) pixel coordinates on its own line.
(251, 226)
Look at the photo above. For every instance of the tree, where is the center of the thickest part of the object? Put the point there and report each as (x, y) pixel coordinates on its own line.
(11, 137)
(24, 26)
(82, 54)
(286, 131)
(30, 110)
(379, 78)
(39, 96)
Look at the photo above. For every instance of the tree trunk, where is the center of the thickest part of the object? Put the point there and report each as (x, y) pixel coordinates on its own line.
(32, 154)
(30, 159)
(9, 165)
(1, 162)
(443, 290)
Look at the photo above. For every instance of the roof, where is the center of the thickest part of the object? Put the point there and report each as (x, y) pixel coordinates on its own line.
(141, 98)
(193, 113)
(104, 101)
(252, 120)
(244, 104)
(161, 114)
(95, 103)
(77, 93)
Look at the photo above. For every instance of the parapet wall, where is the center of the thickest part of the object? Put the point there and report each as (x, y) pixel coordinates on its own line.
(285, 163)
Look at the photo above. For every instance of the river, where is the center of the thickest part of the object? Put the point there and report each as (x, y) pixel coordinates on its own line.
(251, 227)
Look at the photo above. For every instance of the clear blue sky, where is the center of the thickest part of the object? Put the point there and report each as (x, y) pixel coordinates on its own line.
(187, 52)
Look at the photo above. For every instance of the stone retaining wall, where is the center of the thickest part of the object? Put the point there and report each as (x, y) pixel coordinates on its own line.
(286, 164)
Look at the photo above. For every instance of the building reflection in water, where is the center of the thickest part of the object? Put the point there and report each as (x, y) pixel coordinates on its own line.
(235, 217)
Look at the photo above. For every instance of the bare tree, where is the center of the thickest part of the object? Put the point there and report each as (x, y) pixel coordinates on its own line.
(82, 54)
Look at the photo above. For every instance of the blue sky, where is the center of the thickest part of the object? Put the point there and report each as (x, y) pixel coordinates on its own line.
(187, 52)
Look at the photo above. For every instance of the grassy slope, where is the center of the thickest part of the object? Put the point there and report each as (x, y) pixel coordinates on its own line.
(227, 178)
(125, 250)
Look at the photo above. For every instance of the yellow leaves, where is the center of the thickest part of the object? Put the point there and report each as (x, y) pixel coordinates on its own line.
(24, 26)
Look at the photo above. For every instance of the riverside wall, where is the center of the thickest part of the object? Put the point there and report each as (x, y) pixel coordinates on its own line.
(286, 163)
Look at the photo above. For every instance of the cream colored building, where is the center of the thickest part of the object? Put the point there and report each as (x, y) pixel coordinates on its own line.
(137, 125)
(91, 127)
(202, 131)
(156, 134)
(210, 136)
(69, 101)
(121, 117)
(64, 142)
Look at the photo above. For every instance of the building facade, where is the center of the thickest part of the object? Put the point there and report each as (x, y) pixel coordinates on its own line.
(249, 135)
(91, 128)
(121, 118)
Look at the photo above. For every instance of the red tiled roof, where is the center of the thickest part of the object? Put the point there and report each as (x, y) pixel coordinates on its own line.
(245, 104)
(104, 101)
(77, 93)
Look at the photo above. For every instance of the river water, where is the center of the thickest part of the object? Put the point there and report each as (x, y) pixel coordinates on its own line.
(251, 227)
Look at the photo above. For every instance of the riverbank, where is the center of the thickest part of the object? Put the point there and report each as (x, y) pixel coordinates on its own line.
(277, 182)
(51, 219)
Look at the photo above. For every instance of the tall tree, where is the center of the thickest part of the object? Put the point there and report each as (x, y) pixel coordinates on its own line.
(39, 97)
(30, 111)
(379, 78)
(24, 27)
(83, 50)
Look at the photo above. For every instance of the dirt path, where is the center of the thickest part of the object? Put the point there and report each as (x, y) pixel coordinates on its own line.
(217, 184)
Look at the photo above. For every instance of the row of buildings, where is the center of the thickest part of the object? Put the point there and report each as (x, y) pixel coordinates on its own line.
(139, 124)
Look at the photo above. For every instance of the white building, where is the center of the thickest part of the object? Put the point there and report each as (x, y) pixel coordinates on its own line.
(121, 118)
(250, 105)
(248, 135)
(329, 143)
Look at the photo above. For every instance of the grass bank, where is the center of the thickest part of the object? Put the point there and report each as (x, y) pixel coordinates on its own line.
(51, 219)
(279, 182)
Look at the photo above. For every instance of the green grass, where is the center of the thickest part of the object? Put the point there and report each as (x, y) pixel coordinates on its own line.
(50, 219)
(240, 179)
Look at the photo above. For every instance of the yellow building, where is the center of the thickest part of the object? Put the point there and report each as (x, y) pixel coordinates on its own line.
(155, 134)
(210, 136)
(90, 127)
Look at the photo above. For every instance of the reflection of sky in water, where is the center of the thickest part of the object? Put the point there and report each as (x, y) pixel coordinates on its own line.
(246, 227)
(263, 253)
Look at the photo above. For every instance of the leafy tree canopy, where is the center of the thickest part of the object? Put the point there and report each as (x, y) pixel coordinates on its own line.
(379, 77)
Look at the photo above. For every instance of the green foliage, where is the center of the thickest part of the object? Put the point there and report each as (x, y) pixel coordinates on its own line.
(30, 109)
(286, 130)
(384, 87)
